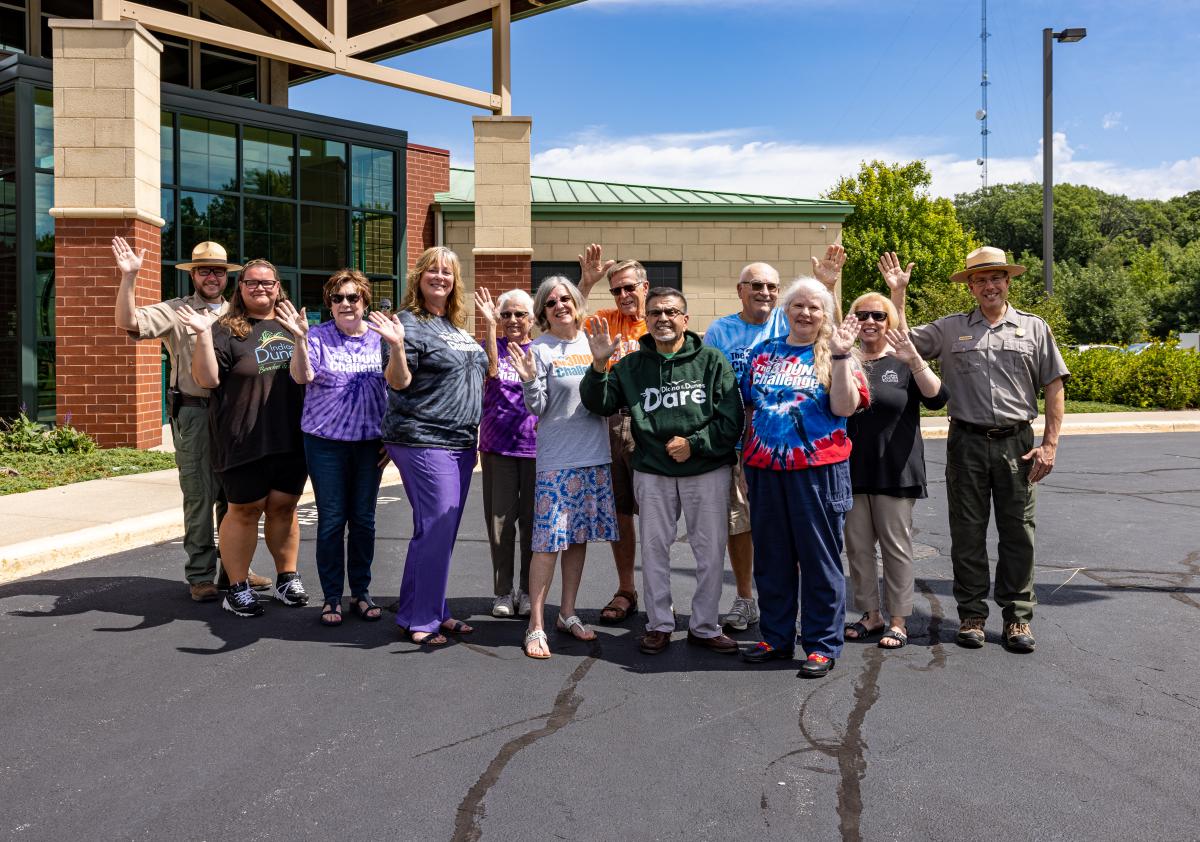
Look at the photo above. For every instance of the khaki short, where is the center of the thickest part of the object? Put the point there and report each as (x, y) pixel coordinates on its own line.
(620, 441)
(739, 501)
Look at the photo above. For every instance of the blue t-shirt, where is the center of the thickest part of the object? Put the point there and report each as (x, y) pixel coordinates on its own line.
(734, 337)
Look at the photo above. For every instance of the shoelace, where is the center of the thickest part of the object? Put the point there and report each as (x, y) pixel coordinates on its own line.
(243, 598)
(293, 586)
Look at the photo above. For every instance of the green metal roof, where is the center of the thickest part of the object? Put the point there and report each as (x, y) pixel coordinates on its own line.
(571, 198)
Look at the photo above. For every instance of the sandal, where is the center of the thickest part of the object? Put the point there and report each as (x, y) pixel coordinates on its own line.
(453, 626)
(574, 627)
(861, 632)
(430, 639)
(365, 607)
(893, 634)
(612, 613)
(331, 614)
(536, 634)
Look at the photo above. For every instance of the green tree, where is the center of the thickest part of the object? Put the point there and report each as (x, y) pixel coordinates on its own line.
(893, 211)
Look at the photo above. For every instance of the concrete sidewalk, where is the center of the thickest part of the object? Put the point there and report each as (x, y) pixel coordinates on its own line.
(54, 527)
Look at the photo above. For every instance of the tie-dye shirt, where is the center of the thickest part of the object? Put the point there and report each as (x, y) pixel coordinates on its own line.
(792, 426)
(346, 399)
(507, 427)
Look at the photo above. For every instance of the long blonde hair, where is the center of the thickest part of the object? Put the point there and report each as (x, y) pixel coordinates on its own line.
(414, 301)
(236, 320)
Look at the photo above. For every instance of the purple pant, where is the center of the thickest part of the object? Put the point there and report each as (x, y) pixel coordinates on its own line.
(436, 482)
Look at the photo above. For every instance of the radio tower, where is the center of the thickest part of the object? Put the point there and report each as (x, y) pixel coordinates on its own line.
(982, 114)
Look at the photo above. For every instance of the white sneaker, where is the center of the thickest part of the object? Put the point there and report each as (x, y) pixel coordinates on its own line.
(502, 606)
(742, 613)
(523, 608)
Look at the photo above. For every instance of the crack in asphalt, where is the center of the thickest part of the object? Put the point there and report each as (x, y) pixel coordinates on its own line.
(469, 815)
(1183, 582)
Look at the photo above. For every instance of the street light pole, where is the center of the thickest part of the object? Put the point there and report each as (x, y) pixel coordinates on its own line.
(1049, 36)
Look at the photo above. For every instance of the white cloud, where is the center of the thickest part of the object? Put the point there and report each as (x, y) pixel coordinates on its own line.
(732, 160)
(1111, 120)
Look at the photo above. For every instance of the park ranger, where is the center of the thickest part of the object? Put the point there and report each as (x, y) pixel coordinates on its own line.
(995, 359)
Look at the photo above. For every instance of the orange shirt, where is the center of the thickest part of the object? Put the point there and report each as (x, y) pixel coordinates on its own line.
(630, 330)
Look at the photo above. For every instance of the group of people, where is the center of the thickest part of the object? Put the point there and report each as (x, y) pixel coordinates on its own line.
(782, 433)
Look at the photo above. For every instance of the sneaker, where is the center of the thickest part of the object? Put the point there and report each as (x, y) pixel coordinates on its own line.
(502, 606)
(741, 615)
(970, 633)
(290, 590)
(523, 607)
(816, 666)
(1018, 637)
(204, 592)
(240, 600)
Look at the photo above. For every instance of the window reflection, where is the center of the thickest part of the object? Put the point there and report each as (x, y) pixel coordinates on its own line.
(372, 243)
(270, 231)
(267, 161)
(207, 216)
(43, 129)
(322, 238)
(207, 153)
(322, 170)
(373, 183)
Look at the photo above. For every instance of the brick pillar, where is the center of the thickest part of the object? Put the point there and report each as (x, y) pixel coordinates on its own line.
(503, 227)
(106, 183)
(428, 174)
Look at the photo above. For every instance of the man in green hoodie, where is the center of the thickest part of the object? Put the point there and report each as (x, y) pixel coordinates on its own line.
(686, 416)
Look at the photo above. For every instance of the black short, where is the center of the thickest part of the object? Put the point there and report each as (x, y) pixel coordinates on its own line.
(251, 482)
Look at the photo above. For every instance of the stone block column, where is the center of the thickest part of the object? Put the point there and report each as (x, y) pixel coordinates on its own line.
(106, 183)
(503, 228)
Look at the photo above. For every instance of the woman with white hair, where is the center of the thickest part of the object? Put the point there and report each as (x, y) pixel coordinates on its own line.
(507, 448)
(798, 390)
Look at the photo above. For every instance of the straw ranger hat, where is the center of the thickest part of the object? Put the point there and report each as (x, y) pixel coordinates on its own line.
(988, 257)
(208, 254)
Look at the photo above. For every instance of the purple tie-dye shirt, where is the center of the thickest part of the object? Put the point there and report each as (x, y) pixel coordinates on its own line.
(346, 399)
(507, 427)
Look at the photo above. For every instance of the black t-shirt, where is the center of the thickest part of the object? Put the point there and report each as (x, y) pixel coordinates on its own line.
(255, 411)
(889, 455)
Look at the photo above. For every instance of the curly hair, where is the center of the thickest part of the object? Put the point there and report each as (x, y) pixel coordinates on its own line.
(236, 320)
(414, 300)
(347, 276)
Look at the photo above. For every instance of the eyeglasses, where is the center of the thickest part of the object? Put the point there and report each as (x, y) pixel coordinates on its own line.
(263, 284)
(554, 302)
(759, 286)
(622, 290)
(206, 271)
(669, 312)
(515, 314)
(877, 315)
(351, 297)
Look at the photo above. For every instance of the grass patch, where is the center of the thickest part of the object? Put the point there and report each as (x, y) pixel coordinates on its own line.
(1072, 408)
(46, 470)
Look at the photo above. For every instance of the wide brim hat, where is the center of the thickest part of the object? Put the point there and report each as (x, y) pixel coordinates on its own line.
(210, 254)
(988, 257)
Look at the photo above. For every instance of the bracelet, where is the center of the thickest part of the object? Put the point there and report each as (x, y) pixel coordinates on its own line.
(922, 368)
(840, 356)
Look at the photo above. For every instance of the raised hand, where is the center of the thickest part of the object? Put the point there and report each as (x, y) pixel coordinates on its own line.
(198, 322)
(389, 328)
(843, 338)
(485, 307)
(602, 344)
(592, 266)
(901, 348)
(829, 269)
(895, 277)
(128, 261)
(523, 362)
(295, 322)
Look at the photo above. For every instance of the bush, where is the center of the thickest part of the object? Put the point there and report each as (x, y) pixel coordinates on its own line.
(24, 435)
(1162, 376)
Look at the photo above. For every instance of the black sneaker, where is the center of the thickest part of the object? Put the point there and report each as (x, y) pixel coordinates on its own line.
(240, 600)
(290, 590)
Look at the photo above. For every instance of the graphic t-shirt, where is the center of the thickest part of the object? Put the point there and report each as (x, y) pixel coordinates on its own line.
(346, 398)
(792, 426)
(255, 411)
(441, 406)
(568, 436)
(507, 427)
(630, 330)
(734, 337)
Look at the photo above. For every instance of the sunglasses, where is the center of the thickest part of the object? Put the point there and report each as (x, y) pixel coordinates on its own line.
(554, 302)
(622, 290)
(669, 312)
(263, 284)
(877, 315)
(759, 286)
(216, 273)
(515, 314)
(338, 298)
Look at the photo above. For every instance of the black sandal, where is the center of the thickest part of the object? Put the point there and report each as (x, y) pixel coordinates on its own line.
(893, 634)
(328, 611)
(357, 604)
(860, 630)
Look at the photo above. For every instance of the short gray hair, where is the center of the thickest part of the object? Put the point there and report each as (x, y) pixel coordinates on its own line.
(543, 292)
(518, 295)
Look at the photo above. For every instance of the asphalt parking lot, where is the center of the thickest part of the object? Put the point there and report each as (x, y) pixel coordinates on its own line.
(132, 713)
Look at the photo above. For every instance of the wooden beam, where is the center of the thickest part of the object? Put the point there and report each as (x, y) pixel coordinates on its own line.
(303, 23)
(335, 19)
(415, 25)
(502, 56)
(262, 45)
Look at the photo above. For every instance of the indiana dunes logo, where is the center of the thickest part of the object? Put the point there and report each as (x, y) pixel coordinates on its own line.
(274, 350)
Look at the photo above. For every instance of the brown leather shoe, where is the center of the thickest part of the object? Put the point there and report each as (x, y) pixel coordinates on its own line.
(722, 643)
(653, 642)
(1018, 637)
(970, 633)
(204, 592)
(259, 583)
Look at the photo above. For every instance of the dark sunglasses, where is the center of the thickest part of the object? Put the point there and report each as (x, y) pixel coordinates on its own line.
(338, 298)
(759, 286)
(877, 315)
(554, 302)
(669, 312)
(621, 290)
(514, 315)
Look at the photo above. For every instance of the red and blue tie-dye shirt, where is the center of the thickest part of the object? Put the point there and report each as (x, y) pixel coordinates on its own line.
(791, 424)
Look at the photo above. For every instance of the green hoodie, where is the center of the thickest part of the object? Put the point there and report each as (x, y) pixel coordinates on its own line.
(693, 395)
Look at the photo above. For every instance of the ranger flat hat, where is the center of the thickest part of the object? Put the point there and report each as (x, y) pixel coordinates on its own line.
(988, 257)
(208, 253)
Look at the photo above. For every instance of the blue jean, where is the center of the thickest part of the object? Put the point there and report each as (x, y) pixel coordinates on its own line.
(796, 518)
(345, 477)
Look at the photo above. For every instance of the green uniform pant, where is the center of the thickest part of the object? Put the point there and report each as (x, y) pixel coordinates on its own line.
(983, 472)
(201, 492)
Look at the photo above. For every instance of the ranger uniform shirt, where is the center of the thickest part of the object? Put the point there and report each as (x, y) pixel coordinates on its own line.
(993, 373)
(158, 321)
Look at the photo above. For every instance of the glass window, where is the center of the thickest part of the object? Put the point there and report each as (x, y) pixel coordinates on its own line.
(230, 73)
(170, 228)
(207, 153)
(175, 63)
(322, 238)
(372, 243)
(12, 29)
(270, 231)
(383, 294)
(45, 297)
(43, 188)
(43, 128)
(8, 215)
(205, 216)
(372, 182)
(10, 381)
(312, 296)
(45, 381)
(322, 171)
(267, 161)
(8, 130)
(166, 148)
(8, 296)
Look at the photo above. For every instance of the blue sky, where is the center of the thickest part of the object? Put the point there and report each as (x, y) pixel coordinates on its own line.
(785, 96)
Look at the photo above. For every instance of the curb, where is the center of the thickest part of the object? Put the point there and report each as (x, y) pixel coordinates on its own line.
(937, 429)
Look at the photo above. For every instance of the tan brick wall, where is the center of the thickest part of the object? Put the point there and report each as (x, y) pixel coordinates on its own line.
(502, 197)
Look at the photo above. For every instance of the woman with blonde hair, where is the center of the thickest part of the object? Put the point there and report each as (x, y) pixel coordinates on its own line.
(435, 373)
(798, 390)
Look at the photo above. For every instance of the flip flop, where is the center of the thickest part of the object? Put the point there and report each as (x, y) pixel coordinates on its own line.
(893, 634)
(860, 629)
(430, 639)
(574, 626)
(536, 634)
(453, 626)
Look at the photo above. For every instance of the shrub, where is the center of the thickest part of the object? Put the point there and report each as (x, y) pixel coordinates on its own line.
(24, 435)
(1161, 376)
